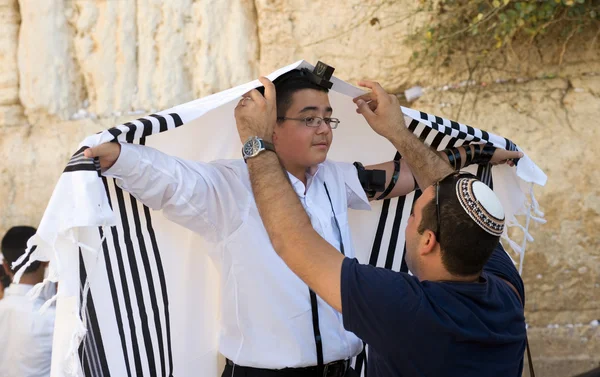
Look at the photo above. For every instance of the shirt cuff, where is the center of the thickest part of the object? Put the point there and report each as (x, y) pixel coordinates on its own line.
(126, 162)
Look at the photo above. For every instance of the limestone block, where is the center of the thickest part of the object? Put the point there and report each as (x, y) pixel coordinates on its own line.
(50, 82)
(227, 51)
(360, 39)
(163, 80)
(105, 51)
(564, 351)
(12, 116)
(9, 77)
(191, 49)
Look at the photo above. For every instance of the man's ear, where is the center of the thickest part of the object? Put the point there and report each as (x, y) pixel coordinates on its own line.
(428, 242)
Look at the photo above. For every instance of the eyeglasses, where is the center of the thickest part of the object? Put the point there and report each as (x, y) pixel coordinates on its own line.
(315, 121)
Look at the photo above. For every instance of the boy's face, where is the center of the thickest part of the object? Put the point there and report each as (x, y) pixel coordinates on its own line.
(297, 144)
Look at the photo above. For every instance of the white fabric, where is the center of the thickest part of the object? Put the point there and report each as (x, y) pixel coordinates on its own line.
(25, 333)
(266, 319)
(149, 306)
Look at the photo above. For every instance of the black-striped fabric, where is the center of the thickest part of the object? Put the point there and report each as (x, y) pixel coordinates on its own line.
(134, 270)
(128, 249)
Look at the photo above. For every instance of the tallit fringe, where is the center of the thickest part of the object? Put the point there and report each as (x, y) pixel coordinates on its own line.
(72, 361)
(533, 207)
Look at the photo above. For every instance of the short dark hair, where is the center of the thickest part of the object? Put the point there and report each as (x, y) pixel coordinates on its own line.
(464, 245)
(288, 84)
(14, 244)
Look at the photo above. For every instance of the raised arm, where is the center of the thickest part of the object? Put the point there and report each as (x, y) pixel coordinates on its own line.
(196, 195)
(400, 180)
(419, 162)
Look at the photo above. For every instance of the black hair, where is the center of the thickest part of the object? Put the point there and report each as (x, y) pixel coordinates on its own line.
(14, 244)
(288, 84)
(464, 245)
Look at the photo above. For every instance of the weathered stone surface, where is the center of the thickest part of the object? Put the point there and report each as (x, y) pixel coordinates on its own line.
(360, 39)
(71, 68)
(9, 74)
(564, 351)
(49, 78)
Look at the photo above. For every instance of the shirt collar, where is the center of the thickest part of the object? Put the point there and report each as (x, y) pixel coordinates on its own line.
(311, 173)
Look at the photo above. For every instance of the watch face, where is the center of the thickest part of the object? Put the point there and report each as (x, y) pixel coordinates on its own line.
(251, 147)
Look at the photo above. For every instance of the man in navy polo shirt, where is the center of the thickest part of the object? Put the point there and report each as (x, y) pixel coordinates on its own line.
(460, 314)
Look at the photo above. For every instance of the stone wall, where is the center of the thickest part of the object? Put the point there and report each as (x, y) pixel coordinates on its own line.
(72, 67)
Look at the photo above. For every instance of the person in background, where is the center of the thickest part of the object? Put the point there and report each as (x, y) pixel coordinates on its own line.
(26, 333)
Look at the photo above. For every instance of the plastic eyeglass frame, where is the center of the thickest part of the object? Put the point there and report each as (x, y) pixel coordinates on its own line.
(333, 122)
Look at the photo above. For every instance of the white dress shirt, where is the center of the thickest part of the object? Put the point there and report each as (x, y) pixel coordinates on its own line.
(25, 333)
(266, 319)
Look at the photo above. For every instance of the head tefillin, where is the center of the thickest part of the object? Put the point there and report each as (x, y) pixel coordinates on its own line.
(372, 181)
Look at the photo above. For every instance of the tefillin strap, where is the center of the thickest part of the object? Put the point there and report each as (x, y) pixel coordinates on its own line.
(313, 298)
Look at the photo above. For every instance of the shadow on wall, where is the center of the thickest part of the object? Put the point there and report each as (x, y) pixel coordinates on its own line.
(591, 373)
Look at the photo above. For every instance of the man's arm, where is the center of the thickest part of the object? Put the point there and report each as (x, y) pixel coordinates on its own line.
(193, 194)
(405, 182)
(382, 112)
(306, 253)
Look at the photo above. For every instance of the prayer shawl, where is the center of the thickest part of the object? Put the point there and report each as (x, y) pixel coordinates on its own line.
(137, 295)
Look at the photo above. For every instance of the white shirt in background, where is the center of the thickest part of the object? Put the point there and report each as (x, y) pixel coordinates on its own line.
(25, 333)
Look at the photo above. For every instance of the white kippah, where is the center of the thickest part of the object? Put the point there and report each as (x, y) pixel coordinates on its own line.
(481, 204)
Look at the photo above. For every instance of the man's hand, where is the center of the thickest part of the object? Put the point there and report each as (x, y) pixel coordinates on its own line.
(256, 115)
(502, 156)
(107, 153)
(380, 109)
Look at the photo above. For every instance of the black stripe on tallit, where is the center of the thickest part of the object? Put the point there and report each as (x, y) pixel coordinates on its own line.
(162, 122)
(87, 166)
(147, 126)
(80, 150)
(389, 260)
(93, 336)
(151, 290)
(163, 284)
(485, 136)
(437, 140)
(115, 132)
(112, 285)
(413, 125)
(124, 285)
(176, 119)
(424, 133)
(130, 136)
(137, 283)
(379, 234)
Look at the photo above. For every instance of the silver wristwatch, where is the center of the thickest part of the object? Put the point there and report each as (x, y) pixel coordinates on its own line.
(254, 146)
